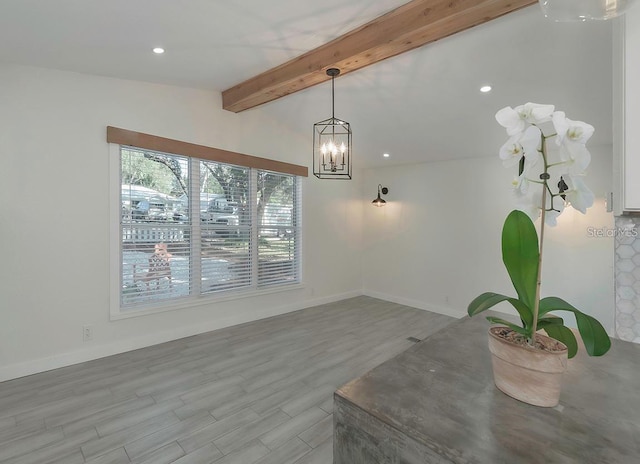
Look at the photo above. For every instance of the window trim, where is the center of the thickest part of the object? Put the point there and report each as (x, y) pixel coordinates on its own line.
(193, 301)
(126, 137)
(118, 138)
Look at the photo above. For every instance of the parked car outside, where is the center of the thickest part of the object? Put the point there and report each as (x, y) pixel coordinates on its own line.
(215, 209)
(139, 203)
(152, 210)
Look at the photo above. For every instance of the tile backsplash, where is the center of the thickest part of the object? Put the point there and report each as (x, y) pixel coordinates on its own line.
(627, 278)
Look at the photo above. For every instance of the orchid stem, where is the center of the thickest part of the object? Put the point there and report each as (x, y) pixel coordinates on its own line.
(536, 302)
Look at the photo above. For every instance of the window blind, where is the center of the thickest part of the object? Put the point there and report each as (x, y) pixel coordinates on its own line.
(190, 227)
(278, 234)
(155, 228)
(225, 232)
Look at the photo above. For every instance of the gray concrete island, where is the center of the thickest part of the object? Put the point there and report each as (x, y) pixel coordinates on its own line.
(436, 403)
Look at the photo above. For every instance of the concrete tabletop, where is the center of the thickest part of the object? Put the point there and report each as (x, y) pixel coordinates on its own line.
(436, 402)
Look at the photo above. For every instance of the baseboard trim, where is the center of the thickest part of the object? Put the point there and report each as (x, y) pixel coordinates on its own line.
(36, 366)
(416, 304)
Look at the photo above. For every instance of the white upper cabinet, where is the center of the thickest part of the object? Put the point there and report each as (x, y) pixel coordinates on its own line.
(627, 96)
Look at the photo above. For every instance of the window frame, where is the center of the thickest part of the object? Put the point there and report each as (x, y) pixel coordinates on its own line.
(115, 139)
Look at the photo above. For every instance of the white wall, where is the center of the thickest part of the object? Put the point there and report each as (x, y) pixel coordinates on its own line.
(54, 242)
(436, 244)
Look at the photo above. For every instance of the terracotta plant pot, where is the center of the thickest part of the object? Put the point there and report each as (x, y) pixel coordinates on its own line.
(528, 374)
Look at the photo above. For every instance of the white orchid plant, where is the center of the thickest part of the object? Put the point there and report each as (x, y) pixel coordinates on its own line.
(540, 167)
(549, 177)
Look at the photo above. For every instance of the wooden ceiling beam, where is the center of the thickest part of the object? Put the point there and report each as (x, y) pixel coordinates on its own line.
(409, 26)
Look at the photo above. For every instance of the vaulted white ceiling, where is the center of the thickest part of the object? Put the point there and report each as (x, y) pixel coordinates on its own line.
(422, 105)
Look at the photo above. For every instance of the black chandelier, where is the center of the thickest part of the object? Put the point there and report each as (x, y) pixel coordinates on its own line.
(332, 143)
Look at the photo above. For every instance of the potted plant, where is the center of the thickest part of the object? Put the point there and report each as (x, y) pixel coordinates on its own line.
(528, 365)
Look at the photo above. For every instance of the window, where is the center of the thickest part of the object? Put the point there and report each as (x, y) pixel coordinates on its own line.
(191, 227)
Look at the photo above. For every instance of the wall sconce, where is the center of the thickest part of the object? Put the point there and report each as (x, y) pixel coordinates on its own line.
(379, 201)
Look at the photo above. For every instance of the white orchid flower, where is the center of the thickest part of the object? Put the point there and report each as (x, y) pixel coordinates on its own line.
(546, 166)
(531, 143)
(509, 118)
(578, 194)
(576, 158)
(569, 130)
(555, 207)
(522, 144)
(515, 119)
(512, 151)
(529, 198)
(520, 185)
(535, 113)
(529, 202)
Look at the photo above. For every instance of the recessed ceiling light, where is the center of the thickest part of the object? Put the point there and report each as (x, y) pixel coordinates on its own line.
(158, 50)
(485, 88)
(386, 155)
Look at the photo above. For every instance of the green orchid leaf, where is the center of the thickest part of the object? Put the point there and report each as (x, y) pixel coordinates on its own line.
(561, 333)
(515, 328)
(551, 319)
(490, 299)
(520, 255)
(484, 302)
(553, 303)
(595, 338)
(526, 314)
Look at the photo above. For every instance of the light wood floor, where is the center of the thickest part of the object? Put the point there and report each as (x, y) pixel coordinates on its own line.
(260, 392)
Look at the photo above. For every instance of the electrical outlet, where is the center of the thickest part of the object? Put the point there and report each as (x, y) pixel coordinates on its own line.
(87, 333)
